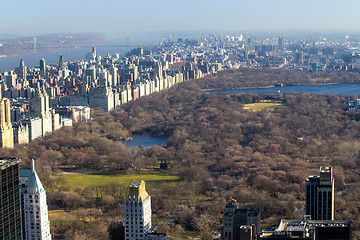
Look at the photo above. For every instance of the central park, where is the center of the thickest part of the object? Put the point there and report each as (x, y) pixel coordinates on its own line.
(255, 147)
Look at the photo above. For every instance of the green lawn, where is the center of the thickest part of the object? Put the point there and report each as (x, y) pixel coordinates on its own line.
(85, 180)
(261, 105)
(61, 215)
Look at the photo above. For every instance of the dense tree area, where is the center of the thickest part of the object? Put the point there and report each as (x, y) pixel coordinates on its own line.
(216, 147)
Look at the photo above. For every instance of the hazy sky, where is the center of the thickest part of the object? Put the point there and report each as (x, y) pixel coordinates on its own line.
(33, 17)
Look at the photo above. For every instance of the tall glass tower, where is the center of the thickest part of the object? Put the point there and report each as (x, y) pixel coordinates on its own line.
(10, 206)
(42, 68)
(320, 195)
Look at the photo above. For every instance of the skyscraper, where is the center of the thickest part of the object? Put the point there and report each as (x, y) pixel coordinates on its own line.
(158, 70)
(94, 51)
(21, 71)
(91, 56)
(35, 219)
(10, 208)
(6, 130)
(281, 41)
(40, 108)
(42, 68)
(320, 195)
(137, 212)
(34, 45)
(61, 62)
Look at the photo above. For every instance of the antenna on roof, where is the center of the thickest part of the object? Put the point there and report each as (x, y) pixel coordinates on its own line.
(33, 165)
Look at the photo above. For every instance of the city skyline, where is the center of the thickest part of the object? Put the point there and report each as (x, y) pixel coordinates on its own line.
(46, 17)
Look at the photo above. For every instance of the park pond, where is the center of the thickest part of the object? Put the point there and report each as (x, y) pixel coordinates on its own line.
(145, 140)
(345, 89)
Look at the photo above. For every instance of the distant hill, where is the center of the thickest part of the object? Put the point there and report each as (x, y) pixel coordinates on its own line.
(8, 36)
(49, 42)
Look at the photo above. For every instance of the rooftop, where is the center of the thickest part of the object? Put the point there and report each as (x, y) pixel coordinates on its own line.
(137, 191)
(231, 200)
(246, 227)
(298, 225)
(325, 169)
(34, 182)
(7, 162)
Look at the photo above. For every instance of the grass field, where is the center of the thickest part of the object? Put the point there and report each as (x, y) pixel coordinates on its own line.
(261, 105)
(85, 180)
(61, 215)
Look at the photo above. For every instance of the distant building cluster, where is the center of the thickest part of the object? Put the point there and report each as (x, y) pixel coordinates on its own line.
(23, 207)
(318, 222)
(46, 97)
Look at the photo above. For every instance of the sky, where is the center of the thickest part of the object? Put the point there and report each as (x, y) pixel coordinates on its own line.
(36, 17)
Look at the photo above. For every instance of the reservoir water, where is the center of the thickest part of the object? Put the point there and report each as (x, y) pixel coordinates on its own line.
(146, 140)
(344, 89)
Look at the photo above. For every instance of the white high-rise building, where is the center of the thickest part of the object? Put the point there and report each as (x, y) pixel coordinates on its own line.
(36, 224)
(137, 212)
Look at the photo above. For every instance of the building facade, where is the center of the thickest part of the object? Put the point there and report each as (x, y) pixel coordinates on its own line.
(137, 212)
(6, 130)
(36, 224)
(320, 195)
(237, 220)
(102, 97)
(10, 206)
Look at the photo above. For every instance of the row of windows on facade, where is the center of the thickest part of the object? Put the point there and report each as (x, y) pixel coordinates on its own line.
(8, 202)
(9, 187)
(37, 224)
(133, 215)
(133, 204)
(141, 222)
(36, 231)
(32, 202)
(131, 210)
(32, 219)
(35, 220)
(10, 222)
(28, 191)
(31, 212)
(141, 229)
(135, 235)
(32, 207)
(31, 196)
(37, 238)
